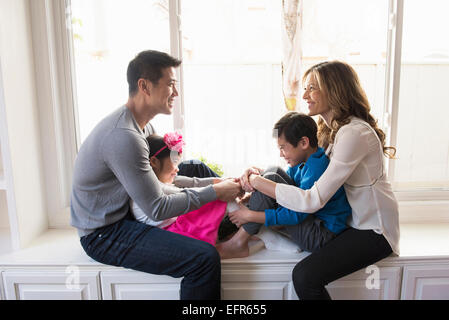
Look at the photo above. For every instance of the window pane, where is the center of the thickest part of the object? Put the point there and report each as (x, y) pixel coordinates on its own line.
(357, 35)
(107, 35)
(423, 133)
(232, 81)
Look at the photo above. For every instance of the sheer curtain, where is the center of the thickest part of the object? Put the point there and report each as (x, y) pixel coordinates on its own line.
(291, 38)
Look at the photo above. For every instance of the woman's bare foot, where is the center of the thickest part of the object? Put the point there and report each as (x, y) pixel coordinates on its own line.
(236, 247)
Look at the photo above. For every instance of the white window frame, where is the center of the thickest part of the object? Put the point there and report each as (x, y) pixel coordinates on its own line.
(59, 122)
(415, 205)
(176, 51)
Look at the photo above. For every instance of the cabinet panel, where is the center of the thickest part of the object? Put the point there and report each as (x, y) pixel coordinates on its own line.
(254, 290)
(134, 285)
(51, 285)
(259, 284)
(368, 284)
(358, 285)
(430, 282)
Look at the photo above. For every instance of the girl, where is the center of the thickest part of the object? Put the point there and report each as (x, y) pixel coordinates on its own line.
(201, 224)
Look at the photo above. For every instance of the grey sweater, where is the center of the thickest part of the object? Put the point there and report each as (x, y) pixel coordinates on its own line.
(113, 166)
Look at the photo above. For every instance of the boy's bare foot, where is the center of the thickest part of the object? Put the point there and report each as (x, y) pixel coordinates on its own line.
(236, 247)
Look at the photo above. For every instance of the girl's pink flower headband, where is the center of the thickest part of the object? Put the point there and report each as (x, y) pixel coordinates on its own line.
(173, 141)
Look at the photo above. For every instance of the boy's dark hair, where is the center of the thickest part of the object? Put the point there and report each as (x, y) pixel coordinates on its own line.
(156, 143)
(148, 65)
(294, 126)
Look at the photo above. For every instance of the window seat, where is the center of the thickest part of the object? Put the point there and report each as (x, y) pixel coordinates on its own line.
(265, 274)
(62, 247)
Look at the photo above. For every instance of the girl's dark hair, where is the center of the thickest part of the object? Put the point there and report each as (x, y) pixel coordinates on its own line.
(148, 65)
(156, 143)
(294, 126)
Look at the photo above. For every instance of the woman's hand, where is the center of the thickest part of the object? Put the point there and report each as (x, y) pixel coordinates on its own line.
(252, 180)
(245, 178)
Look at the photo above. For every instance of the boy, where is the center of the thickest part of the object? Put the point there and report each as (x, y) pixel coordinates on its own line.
(297, 140)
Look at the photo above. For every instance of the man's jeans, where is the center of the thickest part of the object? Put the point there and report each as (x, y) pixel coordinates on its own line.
(134, 245)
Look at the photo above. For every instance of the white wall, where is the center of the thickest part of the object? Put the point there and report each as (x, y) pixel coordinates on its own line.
(4, 221)
(19, 87)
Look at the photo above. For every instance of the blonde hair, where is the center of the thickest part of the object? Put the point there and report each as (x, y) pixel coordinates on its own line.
(339, 82)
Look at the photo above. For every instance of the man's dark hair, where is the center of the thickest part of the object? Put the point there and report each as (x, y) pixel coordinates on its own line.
(294, 126)
(148, 65)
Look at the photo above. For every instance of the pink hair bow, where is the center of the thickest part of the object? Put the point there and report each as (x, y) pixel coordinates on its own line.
(174, 141)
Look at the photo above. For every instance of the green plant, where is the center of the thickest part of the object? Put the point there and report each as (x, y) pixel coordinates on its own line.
(217, 168)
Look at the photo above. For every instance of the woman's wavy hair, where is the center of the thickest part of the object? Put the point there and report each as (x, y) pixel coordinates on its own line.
(340, 84)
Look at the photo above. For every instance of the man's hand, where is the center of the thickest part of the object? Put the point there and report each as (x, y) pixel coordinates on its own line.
(228, 190)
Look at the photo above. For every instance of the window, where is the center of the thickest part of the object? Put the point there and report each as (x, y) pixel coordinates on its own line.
(232, 81)
(106, 36)
(231, 85)
(358, 36)
(422, 130)
(231, 54)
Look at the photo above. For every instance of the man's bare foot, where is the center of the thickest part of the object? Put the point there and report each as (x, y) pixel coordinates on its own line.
(236, 247)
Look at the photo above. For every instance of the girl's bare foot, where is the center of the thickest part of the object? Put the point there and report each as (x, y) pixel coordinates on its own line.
(236, 247)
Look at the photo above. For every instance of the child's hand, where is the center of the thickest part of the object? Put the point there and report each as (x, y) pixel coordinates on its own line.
(240, 216)
(244, 199)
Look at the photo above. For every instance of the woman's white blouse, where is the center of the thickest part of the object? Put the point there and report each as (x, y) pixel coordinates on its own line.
(357, 162)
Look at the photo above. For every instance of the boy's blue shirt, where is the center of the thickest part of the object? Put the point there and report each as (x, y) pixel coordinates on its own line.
(336, 211)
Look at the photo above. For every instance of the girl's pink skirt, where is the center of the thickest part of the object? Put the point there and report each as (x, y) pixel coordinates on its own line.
(201, 224)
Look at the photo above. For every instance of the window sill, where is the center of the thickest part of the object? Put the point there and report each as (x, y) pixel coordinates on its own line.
(424, 212)
(419, 243)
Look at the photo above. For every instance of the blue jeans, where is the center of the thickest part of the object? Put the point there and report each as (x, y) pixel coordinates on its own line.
(195, 168)
(134, 245)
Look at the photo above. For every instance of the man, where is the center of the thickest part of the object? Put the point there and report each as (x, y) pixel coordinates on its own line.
(113, 165)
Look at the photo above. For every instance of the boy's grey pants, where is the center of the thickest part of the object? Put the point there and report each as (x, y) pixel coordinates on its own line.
(309, 235)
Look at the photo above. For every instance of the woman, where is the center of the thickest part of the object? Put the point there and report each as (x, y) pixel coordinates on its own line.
(355, 146)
